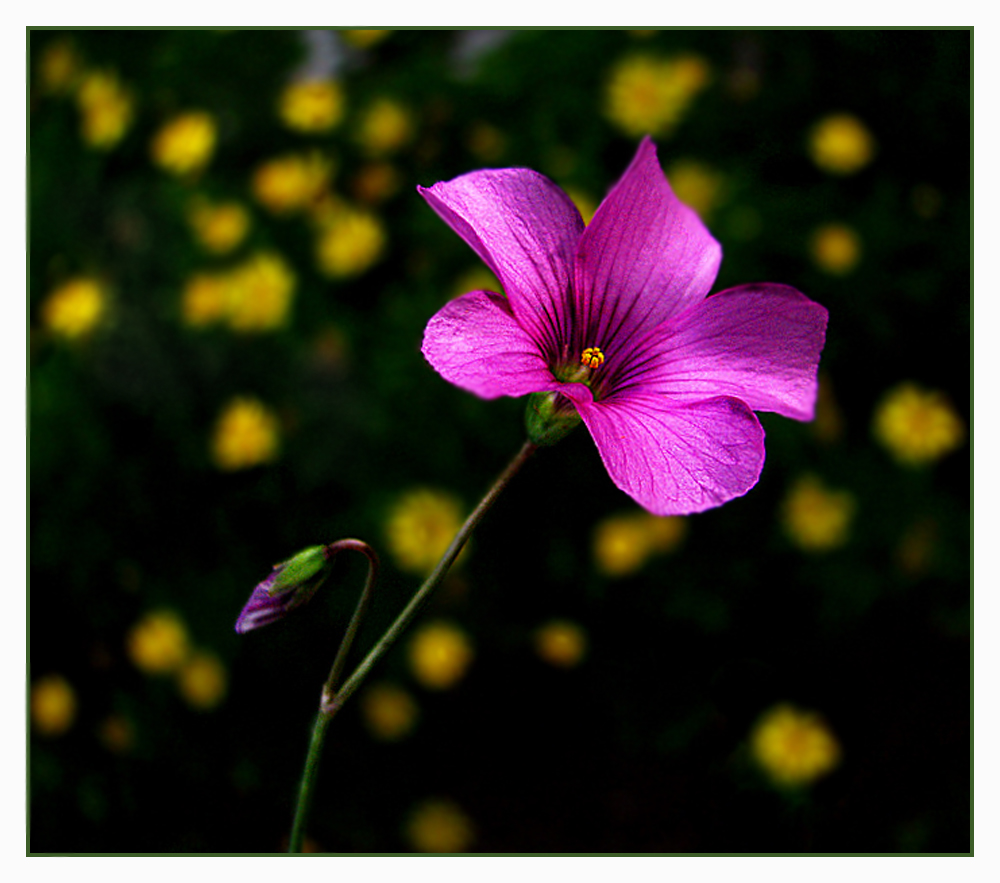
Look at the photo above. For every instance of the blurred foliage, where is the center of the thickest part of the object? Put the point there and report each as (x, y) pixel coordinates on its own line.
(156, 729)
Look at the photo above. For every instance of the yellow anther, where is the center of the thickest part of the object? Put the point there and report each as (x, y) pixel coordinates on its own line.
(592, 357)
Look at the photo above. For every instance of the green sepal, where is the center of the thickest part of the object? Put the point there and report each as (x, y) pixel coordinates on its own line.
(299, 569)
(549, 418)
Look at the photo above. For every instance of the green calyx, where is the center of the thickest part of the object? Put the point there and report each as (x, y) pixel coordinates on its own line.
(299, 569)
(549, 418)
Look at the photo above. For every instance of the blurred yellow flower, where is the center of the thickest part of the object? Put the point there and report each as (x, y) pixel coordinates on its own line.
(59, 67)
(439, 825)
(815, 518)
(246, 435)
(364, 38)
(158, 643)
(828, 425)
(106, 109)
(439, 655)
(389, 712)
(835, 248)
(260, 292)
(841, 144)
(420, 526)
(561, 643)
(584, 204)
(185, 144)
(218, 227)
(349, 240)
(647, 95)
(623, 543)
(794, 748)
(205, 299)
(53, 705)
(696, 185)
(117, 734)
(917, 548)
(251, 297)
(476, 279)
(917, 426)
(201, 680)
(926, 200)
(486, 142)
(312, 105)
(385, 126)
(375, 182)
(74, 308)
(292, 182)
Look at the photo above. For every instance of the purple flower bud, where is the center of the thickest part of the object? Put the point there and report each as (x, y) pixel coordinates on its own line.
(289, 585)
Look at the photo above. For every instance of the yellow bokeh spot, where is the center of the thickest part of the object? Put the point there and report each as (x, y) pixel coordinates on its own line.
(158, 643)
(828, 424)
(385, 127)
(53, 705)
(583, 202)
(117, 734)
(246, 435)
(476, 279)
(835, 248)
(917, 426)
(106, 109)
(292, 182)
(185, 144)
(59, 67)
(375, 182)
(561, 643)
(420, 526)
(201, 680)
(917, 548)
(623, 543)
(486, 142)
(647, 95)
(927, 201)
(364, 38)
(218, 227)
(841, 144)
(794, 748)
(251, 297)
(697, 185)
(389, 712)
(348, 240)
(816, 518)
(205, 299)
(259, 293)
(312, 105)
(74, 308)
(439, 654)
(439, 825)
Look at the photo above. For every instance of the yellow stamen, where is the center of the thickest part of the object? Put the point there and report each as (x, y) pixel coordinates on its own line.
(592, 357)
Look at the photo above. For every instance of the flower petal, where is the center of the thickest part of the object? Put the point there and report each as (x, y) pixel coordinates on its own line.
(476, 343)
(758, 343)
(526, 230)
(677, 459)
(644, 257)
(263, 608)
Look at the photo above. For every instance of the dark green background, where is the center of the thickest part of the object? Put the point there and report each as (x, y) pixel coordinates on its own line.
(643, 747)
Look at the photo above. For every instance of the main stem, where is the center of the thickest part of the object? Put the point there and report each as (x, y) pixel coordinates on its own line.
(333, 699)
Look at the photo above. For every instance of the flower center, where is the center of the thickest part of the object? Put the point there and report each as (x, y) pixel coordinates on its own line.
(592, 357)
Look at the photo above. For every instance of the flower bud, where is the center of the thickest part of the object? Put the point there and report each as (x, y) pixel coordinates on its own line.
(289, 585)
(549, 418)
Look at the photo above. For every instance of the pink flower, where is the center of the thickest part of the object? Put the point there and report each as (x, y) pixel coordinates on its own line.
(612, 320)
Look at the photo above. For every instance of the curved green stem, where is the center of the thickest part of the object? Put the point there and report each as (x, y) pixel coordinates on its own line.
(322, 719)
(333, 699)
